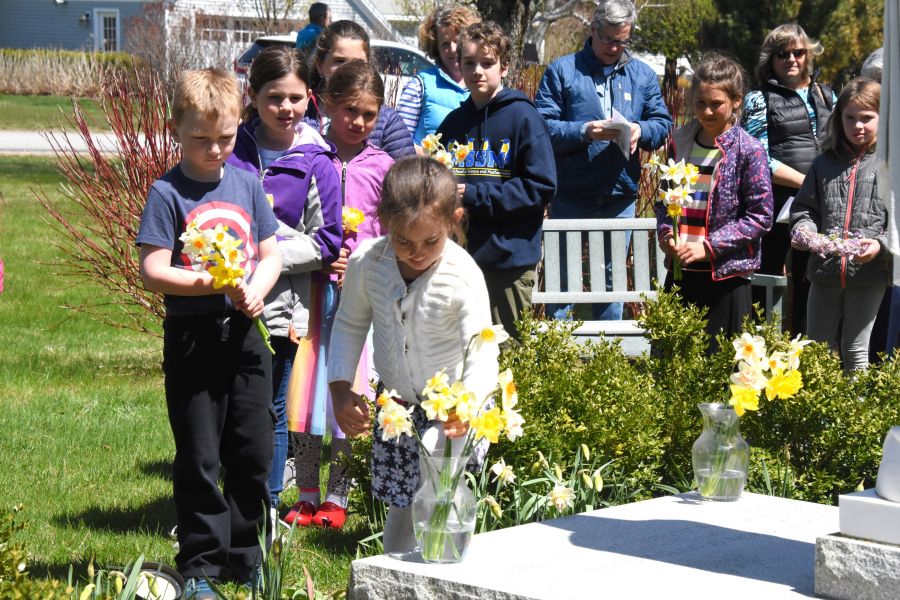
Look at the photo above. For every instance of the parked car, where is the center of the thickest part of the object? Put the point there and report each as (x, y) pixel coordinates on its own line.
(398, 62)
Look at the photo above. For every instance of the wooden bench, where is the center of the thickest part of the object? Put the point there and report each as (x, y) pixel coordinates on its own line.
(648, 264)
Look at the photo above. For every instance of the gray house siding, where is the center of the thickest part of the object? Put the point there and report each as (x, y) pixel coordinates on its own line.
(43, 24)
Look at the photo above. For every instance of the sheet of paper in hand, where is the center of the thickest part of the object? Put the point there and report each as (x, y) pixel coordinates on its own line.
(623, 126)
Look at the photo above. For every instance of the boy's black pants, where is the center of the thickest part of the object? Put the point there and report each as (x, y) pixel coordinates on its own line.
(219, 397)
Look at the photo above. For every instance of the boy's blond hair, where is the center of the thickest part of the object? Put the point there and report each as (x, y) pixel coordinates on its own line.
(212, 92)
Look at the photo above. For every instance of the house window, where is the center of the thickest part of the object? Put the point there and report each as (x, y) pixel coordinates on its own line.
(106, 34)
(243, 31)
(213, 28)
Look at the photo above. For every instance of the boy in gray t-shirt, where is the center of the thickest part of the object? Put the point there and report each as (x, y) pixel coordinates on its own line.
(218, 370)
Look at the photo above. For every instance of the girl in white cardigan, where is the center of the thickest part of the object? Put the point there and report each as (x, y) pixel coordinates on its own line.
(425, 298)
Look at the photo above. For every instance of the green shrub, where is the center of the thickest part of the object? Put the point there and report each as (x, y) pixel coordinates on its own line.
(642, 411)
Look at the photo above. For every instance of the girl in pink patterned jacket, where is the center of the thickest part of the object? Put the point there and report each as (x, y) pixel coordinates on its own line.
(730, 206)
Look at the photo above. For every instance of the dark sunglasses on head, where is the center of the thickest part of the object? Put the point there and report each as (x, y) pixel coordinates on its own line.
(796, 53)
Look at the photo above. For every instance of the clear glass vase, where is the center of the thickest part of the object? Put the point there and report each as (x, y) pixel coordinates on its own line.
(443, 509)
(721, 456)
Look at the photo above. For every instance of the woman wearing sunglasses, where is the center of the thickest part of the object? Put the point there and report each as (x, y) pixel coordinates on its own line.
(787, 113)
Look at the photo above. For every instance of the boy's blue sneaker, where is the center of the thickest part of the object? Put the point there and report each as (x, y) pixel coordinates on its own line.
(197, 588)
(250, 578)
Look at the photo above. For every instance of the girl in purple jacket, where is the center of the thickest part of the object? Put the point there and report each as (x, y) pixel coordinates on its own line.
(731, 205)
(293, 163)
(353, 98)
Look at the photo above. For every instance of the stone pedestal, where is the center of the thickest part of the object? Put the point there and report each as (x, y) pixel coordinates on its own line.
(867, 516)
(677, 548)
(853, 569)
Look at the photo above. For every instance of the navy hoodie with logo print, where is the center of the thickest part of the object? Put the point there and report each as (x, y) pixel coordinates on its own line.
(510, 177)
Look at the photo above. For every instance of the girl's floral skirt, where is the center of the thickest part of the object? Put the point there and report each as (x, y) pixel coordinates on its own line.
(395, 463)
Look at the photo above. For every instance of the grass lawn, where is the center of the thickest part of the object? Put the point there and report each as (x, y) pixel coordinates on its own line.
(86, 444)
(33, 113)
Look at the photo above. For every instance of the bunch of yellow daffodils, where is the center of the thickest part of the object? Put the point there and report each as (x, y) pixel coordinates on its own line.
(352, 218)
(393, 419)
(783, 379)
(217, 246)
(680, 177)
(436, 150)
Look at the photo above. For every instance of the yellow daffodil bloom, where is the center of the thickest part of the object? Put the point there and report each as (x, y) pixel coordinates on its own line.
(795, 350)
(488, 425)
(598, 481)
(459, 152)
(494, 334)
(223, 276)
(352, 218)
(194, 241)
(784, 386)
(503, 472)
(691, 174)
(744, 399)
(751, 348)
(508, 389)
(394, 420)
(674, 210)
(463, 400)
(439, 404)
(431, 142)
(439, 381)
(561, 497)
(749, 375)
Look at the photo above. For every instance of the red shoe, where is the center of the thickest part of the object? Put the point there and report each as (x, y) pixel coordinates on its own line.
(330, 516)
(303, 512)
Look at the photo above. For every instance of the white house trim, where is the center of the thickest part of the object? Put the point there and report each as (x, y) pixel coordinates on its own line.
(99, 38)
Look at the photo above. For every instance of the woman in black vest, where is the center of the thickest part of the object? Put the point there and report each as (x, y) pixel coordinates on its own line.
(787, 113)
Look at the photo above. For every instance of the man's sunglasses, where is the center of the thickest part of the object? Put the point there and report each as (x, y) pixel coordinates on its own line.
(796, 53)
(610, 41)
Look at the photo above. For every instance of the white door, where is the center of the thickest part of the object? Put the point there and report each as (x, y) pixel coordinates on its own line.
(106, 30)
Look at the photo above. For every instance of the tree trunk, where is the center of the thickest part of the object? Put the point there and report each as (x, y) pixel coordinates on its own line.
(670, 76)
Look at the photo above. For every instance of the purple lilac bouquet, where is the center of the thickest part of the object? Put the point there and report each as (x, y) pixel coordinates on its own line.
(832, 243)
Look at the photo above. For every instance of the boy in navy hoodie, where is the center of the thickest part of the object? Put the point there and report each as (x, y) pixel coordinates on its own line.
(507, 177)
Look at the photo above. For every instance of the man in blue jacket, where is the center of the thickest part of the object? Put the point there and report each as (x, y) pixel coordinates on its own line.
(576, 96)
(319, 19)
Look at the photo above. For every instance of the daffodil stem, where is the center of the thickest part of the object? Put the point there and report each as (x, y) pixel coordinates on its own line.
(676, 264)
(264, 333)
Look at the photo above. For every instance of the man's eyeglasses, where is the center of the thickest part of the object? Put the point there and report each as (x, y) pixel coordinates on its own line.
(796, 53)
(610, 41)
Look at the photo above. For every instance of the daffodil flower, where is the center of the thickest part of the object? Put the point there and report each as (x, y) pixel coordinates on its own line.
(464, 401)
(431, 142)
(691, 174)
(443, 157)
(460, 152)
(673, 172)
(495, 507)
(394, 420)
(503, 472)
(743, 399)
(351, 219)
(385, 396)
(194, 241)
(796, 348)
(488, 425)
(223, 276)
(784, 386)
(653, 164)
(674, 210)
(749, 348)
(512, 424)
(775, 361)
(439, 381)
(561, 497)
(749, 375)
(439, 404)
(494, 334)
(508, 389)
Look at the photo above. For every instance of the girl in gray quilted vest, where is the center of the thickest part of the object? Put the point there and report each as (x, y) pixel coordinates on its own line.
(840, 193)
